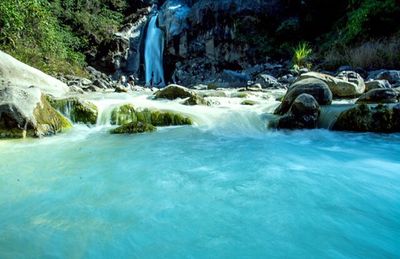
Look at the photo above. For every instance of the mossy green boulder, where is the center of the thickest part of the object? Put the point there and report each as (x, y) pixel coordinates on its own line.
(79, 111)
(127, 114)
(27, 113)
(134, 128)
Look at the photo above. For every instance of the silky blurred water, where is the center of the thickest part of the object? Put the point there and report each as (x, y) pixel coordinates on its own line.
(191, 193)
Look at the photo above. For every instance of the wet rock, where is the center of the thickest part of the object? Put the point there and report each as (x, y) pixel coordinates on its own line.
(195, 100)
(379, 96)
(248, 102)
(347, 84)
(303, 114)
(77, 110)
(127, 114)
(173, 92)
(26, 112)
(268, 81)
(365, 118)
(312, 86)
(392, 76)
(134, 128)
(375, 84)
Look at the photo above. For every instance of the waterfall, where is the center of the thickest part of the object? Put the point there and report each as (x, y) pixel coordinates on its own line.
(154, 48)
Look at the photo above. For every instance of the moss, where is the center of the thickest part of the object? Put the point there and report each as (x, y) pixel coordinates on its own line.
(123, 115)
(133, 128)
(239, 95)
(248, 102)
(77, 110)
(127, 114)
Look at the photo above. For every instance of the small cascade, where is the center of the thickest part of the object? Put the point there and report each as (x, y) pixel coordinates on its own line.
(330, 113)
(154, 48)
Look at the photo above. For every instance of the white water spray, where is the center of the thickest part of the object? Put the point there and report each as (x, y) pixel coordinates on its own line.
(154, 48)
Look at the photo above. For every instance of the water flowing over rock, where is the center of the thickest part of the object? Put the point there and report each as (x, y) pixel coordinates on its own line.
(154, 54)
(77, 110)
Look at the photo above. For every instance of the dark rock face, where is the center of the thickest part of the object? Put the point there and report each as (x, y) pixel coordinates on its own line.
(363, 118)
(393, 76)
(314, 87)
(379, 96)
(303, 114)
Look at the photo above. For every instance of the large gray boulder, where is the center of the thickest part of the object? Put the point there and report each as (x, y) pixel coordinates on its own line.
(379, 96)
(172, 92)
(303, 114)
(16, 73)
(26, 112)
(348, 83)
(312, 86)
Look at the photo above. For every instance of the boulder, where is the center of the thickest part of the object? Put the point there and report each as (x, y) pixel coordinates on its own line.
(127, 113)
(173, 92)
(347, 84)
(375, 84)
(364, 118)
(312, 86)
(303, 114)
(248, 102)
(77, 110)
(16, 73)
(26, 112)
(134, 128)
(379, 96)
(392, 76)
(268, 81)
(195, 100)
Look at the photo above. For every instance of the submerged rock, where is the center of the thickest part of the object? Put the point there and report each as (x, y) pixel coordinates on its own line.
(78, 111)
(134, 128)
(379, 96)
(312, 86)
(248, 102)
(303, 114)
(26, 112)
(127, 113)
(364, 118)
(347, 84)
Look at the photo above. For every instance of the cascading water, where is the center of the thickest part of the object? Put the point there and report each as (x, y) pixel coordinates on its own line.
(154, 48)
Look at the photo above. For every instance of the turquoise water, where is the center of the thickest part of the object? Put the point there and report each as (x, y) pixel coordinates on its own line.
(190, 193)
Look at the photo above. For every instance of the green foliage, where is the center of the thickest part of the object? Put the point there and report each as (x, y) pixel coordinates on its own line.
(53, 35)
(32, 34)
(368, 18)
(302, 54)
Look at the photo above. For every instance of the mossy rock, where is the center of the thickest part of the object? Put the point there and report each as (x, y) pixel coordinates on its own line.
(27, 113)
(248, 102)
(365, 118)
(239, 95)
(128, 114)
(79, 111)
(134, 128)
